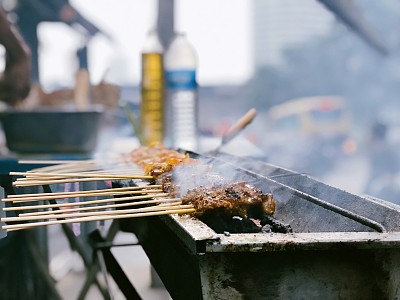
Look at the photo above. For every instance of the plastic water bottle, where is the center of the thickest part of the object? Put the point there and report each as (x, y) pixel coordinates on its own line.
(152, 91)
(180, 63)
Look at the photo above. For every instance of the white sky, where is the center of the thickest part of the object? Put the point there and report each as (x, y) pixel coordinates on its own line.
(219, 30)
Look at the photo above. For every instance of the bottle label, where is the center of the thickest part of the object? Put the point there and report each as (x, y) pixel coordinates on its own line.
(182, 119)
(181, 79)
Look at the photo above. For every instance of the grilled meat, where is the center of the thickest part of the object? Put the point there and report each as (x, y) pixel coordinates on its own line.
(218, 202)
(156, 159)
(238, 199)
(165, 180)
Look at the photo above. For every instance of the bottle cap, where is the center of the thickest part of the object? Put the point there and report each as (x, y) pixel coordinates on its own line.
(152, 43)
(180, 53)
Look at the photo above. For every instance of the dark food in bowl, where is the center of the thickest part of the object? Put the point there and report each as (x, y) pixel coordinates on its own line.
(52, 130)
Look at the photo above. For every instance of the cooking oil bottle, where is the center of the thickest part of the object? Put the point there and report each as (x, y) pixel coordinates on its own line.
(180, 62)
(152, 91)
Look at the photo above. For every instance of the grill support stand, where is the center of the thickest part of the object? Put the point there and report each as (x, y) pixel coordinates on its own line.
(35, 242)
(102, 248)
(205, 271)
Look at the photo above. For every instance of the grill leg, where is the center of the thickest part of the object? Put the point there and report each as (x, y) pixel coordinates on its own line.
(30, 257)
(113, 267)
(75, 244)
(90, 278)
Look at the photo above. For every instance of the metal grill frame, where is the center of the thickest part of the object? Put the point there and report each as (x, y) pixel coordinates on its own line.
(195, 262)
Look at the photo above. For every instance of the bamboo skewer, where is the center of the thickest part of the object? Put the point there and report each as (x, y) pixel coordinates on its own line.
(53, 168)
(66, 171)
(51, 197)
(57, 181)
(90, 202)
(61, 194)
(115, 170)
(171, 203)
(79, 175)
(26, 180)
(98, 218)
(90, 214)
(67, 168)
(82, 165)
(88, 170)
(74, 164)
(118, 172)
(89, 165)
(163, 202)
(54, 162)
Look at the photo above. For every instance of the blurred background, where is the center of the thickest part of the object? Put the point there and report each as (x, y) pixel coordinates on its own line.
(323, 75)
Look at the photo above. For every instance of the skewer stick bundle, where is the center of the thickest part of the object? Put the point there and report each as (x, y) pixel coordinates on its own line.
(58, 172)
(19, 183)
(83, 194)
(95, 213)
(66, 167)
(161, 202)
(78, 175)
(90, 202)
(54, 162)
(62, 194)
(173, 210)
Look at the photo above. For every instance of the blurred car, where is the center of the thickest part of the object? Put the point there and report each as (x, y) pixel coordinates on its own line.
(308, 134)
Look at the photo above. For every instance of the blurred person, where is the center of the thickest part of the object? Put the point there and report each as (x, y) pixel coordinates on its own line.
(384, 165)
(29, 15)
(15, 81)
(22, 258)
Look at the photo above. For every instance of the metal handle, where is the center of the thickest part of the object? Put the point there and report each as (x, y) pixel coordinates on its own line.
(82, 89)
(239, 126)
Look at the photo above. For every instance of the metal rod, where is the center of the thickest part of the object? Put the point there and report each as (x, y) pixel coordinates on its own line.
(329, 206)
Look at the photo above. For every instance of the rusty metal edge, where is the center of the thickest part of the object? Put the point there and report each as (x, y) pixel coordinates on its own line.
(304, 241)
(192, 232)
(200, 239)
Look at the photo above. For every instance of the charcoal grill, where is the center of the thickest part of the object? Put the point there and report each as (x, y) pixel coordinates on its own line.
(343, 246)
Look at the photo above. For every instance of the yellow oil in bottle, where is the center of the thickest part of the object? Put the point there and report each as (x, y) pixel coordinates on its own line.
(152, 92)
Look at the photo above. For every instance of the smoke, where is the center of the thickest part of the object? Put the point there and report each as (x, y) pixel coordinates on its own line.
(208, 172)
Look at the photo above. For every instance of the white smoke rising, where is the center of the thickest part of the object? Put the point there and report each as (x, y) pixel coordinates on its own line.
(208, 173)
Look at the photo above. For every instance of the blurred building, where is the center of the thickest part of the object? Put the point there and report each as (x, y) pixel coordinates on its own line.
(278, 24)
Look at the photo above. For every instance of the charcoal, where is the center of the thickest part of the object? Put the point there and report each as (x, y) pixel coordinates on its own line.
(276, 226)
